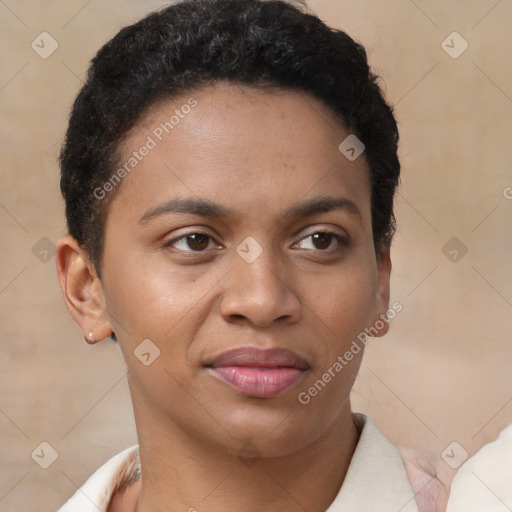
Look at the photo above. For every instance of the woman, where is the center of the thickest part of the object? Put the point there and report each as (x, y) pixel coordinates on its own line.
(229, 172)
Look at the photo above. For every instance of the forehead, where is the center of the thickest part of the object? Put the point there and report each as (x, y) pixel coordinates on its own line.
(256, 150)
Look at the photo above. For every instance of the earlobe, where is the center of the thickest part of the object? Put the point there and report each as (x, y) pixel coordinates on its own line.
(82, 290)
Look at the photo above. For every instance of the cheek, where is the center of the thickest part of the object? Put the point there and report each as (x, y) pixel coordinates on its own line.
(341, 312)
(344, 299)
(155, 300)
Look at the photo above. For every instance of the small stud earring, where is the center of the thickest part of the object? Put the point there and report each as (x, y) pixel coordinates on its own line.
(89, 338)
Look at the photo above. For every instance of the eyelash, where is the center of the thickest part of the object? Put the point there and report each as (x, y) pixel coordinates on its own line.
(184, 237)
(342, 241)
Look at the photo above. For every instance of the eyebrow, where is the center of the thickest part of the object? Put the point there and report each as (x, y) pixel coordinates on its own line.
(319, 205)
(209, 209)
(201, 207)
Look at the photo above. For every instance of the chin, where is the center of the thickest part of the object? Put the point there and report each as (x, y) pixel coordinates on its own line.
(274, 433)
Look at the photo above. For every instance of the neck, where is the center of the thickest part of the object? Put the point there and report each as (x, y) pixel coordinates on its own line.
(183, 473)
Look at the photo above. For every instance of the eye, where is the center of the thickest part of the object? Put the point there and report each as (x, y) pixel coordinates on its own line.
(323, 240)
(192, 242)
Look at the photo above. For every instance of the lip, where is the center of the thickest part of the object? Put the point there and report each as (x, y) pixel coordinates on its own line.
(259, 373)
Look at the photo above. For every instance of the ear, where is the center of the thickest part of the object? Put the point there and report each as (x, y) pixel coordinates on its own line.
(82, 290)
(380, 323)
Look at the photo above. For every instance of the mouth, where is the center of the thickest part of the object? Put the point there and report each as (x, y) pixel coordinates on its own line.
(259, 373)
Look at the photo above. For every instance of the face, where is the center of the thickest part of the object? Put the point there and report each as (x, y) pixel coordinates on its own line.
(240, 244)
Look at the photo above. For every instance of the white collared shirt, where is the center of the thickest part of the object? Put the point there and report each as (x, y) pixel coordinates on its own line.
(376, 480)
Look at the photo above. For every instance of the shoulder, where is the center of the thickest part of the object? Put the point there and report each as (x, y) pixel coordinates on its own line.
(115, 475)
(484, 482)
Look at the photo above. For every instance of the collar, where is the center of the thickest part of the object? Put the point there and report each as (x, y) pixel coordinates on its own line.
(376, 477)
(375, 480)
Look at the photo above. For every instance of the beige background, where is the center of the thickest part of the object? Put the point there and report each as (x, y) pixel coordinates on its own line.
(442, 374)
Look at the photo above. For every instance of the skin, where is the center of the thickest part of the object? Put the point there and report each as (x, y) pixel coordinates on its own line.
(257, 153)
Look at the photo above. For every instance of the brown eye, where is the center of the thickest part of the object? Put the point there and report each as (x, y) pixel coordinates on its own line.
(322, 240)
(197, 241)
(193, 242)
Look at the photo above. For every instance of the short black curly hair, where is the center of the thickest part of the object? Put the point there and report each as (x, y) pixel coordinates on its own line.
(196, 43)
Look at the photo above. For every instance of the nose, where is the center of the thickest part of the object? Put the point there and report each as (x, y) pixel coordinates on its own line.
(258, 293)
